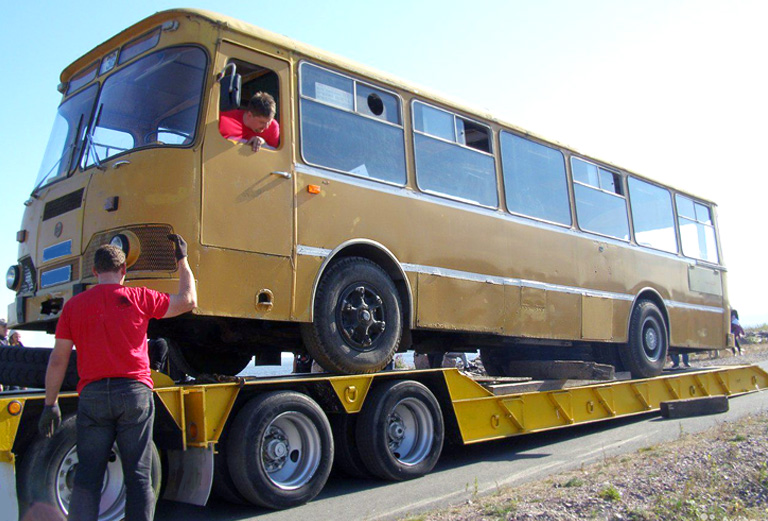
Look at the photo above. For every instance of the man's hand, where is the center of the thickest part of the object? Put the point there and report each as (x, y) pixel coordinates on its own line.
(179, 244)
(49, 420)
(256, 143)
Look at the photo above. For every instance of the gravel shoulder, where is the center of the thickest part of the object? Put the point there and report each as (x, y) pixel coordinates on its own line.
(719, 474)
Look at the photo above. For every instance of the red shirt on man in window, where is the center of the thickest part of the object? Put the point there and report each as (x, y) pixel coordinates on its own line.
(255, 125)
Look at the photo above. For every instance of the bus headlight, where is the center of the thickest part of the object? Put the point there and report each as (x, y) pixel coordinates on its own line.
(12, 278)
(121, 241)
(129, 243)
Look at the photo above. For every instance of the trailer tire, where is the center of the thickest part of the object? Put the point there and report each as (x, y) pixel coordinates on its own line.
(400, 431)
(346, 459)
(280, 450)
(223, 484)
(358, 319)
(646, 352)
(48, 467)
(25, 367)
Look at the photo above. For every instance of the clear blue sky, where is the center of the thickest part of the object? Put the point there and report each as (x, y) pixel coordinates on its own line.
(672, 89)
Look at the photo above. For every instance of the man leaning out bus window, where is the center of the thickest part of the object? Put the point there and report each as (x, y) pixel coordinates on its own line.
(255, 126)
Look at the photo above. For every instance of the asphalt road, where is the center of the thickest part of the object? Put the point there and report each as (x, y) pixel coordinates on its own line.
(476, 469)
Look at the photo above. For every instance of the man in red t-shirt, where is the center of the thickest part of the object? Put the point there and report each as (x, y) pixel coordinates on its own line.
(108, 324)
(254, 126)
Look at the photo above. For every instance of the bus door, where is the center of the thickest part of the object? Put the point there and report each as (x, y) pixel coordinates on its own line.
(247, 197)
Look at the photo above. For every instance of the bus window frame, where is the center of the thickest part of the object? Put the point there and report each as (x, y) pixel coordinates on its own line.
(204, 99)
(354, 81)
(711, 207)
(678, 251)
(622, 182)
(568, 188)
(492, 154)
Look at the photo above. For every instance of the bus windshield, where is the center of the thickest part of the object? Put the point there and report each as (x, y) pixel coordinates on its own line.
(154, 101)
(66, 137)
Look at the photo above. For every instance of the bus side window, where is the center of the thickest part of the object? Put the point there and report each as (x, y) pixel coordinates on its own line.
(600, 203)
(256, 79)
(697, 231)
(453, 156)
(350, 126)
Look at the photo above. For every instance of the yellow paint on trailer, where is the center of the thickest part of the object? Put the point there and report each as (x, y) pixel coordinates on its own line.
(483, 416)
(9, 425)
(352, 390)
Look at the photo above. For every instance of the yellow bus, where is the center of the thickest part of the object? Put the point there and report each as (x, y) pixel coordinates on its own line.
(386, 218)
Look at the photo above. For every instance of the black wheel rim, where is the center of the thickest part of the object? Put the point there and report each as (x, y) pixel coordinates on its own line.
(361, 316)
(653, 339)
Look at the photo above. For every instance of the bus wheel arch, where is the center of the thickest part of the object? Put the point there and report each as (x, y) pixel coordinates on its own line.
(645, 352)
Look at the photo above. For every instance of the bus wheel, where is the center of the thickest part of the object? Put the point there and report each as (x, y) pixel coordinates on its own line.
(400, 431)
(494, 361)
(646, 352)
(358, 318)
(346, 457)
(47, 472)
(280, 450)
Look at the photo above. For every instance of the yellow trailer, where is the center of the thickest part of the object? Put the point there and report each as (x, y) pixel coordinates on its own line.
(272, 441)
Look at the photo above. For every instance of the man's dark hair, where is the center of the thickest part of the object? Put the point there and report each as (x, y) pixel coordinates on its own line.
(108, 259)
(262, 104)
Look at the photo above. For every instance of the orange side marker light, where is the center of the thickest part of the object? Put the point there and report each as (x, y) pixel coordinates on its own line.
(313, 189)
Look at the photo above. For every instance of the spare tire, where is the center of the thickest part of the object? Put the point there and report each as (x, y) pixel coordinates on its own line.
(26, 366)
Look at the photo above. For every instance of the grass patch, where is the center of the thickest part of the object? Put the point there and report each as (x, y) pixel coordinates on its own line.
(609, 493)
(573, 482)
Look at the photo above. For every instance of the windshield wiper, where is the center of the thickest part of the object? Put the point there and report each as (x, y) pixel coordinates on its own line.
(69, 150)
(91, 143)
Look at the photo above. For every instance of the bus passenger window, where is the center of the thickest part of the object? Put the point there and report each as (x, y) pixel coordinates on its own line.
(258, 115)
(535, 181)
(697, 231)
(456, 164)
(652, 215)
(350, 126)
(600, 203)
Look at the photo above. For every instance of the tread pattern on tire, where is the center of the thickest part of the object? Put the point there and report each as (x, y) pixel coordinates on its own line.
(26, 366)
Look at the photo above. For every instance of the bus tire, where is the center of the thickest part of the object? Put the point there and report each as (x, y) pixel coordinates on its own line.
(47, 470)
(346, 457)
(494, 361)
(646, 351)
(26, 366)
(358, 320)
(280, 450)
(400, 432)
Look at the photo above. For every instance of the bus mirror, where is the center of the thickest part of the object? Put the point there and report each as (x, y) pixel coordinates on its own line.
(230, 83)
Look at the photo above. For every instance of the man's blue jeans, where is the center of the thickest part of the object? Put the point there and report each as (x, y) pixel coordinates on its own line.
(109, 410)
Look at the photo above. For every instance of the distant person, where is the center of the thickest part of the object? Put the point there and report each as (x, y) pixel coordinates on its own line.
(14, 339)
(3, 332)
(255, 126)
(676, 360)
(737, 330)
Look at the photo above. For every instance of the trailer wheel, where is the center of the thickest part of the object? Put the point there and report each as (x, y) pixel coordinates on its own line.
(400, 431)
(47, 473)
(346, 459)
(280, 450)
(223, 484)
(358, 318)
(646, 352)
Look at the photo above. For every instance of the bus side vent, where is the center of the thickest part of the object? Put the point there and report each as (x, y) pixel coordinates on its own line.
(63, 204)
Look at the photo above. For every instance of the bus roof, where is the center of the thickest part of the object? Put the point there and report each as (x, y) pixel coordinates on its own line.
(238, 26)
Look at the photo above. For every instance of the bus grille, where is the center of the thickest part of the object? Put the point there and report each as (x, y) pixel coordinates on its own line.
(157, 252)
(28, 276)
(63, 204)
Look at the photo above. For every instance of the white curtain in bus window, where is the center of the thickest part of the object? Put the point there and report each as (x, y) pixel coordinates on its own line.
(350, 126)
(697, 231)
(652, 215)
(600, 205)
(534, 179)
(458, 167)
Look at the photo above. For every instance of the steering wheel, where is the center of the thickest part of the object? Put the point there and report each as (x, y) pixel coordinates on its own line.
(149, 134)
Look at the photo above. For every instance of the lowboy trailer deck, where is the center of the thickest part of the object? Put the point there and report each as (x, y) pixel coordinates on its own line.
(272, 441)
